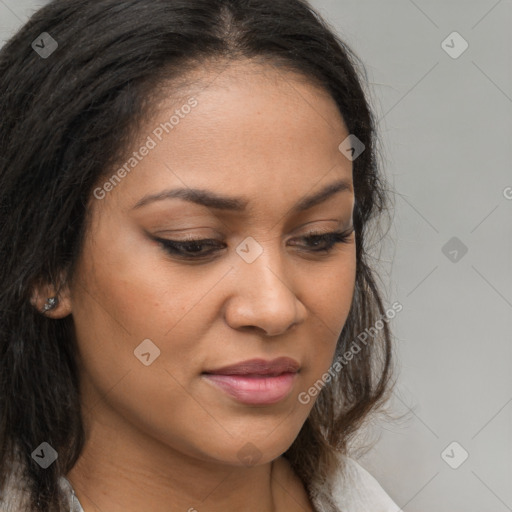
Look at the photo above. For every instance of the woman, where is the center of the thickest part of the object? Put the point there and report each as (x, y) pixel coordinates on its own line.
(186, 192)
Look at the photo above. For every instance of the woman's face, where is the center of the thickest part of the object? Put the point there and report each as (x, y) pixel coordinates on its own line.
(150, 322)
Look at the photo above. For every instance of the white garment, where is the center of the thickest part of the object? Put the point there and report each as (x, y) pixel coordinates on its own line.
(357, 491)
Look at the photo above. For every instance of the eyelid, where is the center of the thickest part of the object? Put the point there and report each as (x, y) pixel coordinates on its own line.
(190, 237)
(341, 225)
(176, 249)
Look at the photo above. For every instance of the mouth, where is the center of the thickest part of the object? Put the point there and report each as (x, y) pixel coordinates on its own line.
(256, 382)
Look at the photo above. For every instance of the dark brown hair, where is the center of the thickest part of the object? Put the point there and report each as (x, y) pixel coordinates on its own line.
(66, 120)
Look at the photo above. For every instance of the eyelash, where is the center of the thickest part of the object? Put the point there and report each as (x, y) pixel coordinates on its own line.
(175, 247)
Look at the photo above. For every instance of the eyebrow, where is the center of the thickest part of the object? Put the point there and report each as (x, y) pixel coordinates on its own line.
(239, 204)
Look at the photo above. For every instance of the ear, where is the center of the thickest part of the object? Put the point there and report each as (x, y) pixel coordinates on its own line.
(43, 291)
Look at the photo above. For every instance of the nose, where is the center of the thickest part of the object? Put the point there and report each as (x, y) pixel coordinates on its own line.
(264, 296)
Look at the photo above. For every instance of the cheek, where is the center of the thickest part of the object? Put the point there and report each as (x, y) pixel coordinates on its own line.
(138, 290)
(330, 293)
(130, 292)
(329, 299)
(125, 303)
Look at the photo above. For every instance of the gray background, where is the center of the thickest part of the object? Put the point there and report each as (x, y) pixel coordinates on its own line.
(446, 130)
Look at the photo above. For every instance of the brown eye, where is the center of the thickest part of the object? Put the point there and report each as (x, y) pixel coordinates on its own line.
(191, 248)
(327, 241)
(194, 248)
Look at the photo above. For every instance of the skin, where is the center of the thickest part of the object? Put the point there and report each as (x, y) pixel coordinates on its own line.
(160, 437)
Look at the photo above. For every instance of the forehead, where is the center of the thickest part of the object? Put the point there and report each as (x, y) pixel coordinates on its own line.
(254, 130)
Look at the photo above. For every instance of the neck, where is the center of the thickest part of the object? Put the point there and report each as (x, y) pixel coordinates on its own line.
(124, 470)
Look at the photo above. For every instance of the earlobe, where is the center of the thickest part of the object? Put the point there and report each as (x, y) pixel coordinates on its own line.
(51, 303)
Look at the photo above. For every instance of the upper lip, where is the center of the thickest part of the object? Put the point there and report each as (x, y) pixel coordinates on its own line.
(259, 367)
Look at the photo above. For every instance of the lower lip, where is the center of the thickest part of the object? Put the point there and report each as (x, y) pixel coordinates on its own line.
(255, 390)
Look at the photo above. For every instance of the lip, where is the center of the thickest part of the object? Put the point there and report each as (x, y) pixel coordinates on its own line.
(258, 367)
(256, 381)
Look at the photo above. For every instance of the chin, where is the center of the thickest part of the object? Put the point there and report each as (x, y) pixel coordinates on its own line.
(253, 450)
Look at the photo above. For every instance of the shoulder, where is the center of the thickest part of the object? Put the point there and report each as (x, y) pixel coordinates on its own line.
(353, 489)
(14, 496)
(359, 491)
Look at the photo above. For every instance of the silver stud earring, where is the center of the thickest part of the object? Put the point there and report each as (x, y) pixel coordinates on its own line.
(50, 303)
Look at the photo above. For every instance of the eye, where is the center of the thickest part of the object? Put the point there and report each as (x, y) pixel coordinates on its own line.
(327, 241)
(193, 248)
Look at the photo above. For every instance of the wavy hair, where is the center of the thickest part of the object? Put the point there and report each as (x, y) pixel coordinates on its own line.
(67, 119)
